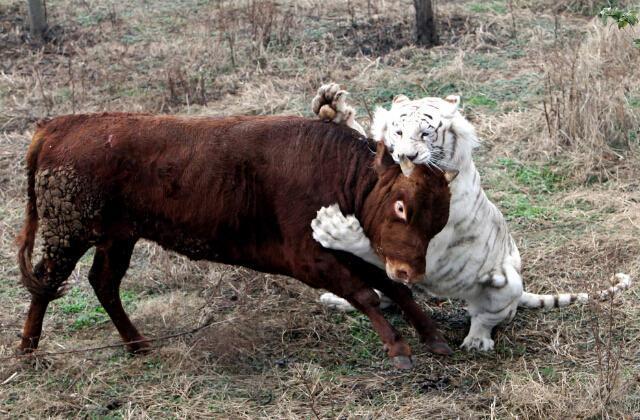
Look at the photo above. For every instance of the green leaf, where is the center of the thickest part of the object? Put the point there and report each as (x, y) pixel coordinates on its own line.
(621, 17)
(636, 42)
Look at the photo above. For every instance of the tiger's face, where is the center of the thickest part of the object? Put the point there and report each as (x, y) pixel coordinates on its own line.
(415, 131)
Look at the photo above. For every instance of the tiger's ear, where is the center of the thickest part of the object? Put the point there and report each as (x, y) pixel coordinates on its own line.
(454, 100)
(379, 124)
(398, 99)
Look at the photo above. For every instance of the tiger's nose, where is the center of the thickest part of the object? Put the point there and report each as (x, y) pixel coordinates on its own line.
(406, 164)
(404, 156)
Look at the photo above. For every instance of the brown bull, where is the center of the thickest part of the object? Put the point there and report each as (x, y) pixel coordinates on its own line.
(238, 190)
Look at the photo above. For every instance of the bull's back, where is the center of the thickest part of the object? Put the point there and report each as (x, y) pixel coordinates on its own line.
(225, 189)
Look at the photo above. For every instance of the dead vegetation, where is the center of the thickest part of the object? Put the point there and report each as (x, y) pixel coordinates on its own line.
(587, 100)
(555, 98)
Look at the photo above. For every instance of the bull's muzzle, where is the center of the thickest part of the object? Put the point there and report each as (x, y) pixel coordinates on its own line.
(402, 272)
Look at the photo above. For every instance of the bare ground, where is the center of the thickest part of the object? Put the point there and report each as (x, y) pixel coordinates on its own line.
(568, 186)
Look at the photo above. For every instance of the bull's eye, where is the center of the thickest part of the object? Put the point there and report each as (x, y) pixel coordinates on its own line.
(400, 210)
(399, 132)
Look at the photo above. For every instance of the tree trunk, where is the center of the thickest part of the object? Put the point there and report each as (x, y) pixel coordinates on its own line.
(426, 33)
(37, 19)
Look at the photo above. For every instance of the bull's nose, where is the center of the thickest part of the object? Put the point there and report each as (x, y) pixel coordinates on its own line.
(402, 272)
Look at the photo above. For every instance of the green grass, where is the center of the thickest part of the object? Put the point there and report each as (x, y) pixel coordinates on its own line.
(527, 190)
(520, 206)
(364, 340)
(523, 89)
(487, 61)
(11, 288)
(548, 373)
(83, 309)
(492, 96)
(444, 87)
(383, 94)
(537, 179)
(498, 7)
(482, 101)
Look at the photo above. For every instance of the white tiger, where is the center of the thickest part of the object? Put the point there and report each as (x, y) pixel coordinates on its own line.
(474, 257)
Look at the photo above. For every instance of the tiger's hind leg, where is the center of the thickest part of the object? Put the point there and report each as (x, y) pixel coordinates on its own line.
(330, 104)
(497, 303)
(110, 264)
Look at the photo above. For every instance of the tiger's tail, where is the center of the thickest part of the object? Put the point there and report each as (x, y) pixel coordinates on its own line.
(619, 281)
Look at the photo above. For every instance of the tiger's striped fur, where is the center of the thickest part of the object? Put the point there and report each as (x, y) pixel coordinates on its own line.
(474, 257)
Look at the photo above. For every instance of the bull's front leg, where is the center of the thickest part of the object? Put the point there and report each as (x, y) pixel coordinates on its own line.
(367, 302)
(424, 325)
(328, 271)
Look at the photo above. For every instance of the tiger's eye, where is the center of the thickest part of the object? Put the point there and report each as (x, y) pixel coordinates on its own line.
(399, 132)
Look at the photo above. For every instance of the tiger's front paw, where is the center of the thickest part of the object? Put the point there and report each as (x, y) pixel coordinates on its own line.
(480, 343)
(330, 104)
(334, 230)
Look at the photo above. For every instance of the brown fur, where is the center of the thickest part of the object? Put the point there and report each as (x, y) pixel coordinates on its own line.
(237, 190)
(26, 238)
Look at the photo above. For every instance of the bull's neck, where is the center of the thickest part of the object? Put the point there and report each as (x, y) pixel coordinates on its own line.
(358, 185)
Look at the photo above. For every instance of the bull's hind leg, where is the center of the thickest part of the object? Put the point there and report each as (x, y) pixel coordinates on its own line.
(64, 205)
(51, 274)
(110, 264)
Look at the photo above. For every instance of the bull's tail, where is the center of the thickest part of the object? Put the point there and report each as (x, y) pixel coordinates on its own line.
(619, 282)
(27, 236)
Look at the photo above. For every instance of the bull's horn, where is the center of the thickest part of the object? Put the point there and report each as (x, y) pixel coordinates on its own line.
(407, 166)
(450, 174)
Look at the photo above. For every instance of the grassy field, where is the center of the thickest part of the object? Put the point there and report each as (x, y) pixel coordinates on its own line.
(555, 97)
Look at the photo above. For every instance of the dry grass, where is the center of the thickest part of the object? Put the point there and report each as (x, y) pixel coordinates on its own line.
(587, 100)
(272, 351)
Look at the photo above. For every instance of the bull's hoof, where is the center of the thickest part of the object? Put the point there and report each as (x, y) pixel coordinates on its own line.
(26, 352)
(139, 346)
(28, 345)
(439, 347)
(402, 362)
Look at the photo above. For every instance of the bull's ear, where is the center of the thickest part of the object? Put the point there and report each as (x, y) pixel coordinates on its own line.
(450, 175)
(383, 158)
